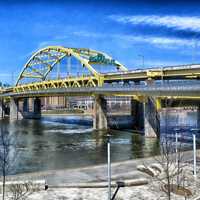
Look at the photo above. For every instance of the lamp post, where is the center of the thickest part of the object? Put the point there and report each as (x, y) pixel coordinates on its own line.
(176, 144)
(195, 157)
(195, 45)
(142, 56)
(194, 152)
(109, 167)
(177, 153)
(118, 183)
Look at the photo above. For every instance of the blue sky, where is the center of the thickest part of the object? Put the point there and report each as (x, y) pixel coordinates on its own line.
(164, 32)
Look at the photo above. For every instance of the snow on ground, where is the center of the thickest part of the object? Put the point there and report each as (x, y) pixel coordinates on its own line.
(129, 193)
(139, 193)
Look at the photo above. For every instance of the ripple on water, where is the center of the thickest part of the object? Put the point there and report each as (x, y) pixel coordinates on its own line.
(70, 131)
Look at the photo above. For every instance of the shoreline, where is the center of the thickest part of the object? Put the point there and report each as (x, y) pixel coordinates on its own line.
(91, 182)
(97, 173)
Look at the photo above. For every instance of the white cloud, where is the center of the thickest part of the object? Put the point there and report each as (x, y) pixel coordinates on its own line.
(169, 21)
(127, 40)
(157, 41)
(165, 42)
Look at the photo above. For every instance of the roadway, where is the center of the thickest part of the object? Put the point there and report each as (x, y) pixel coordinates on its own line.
(174, 90)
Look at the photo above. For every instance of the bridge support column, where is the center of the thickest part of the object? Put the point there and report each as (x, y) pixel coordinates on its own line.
(137, 112)
(26, 112)
(100, 114)
(25, 108)
(151, 119)
(25, 105)
(14, 110)
(2, 109)
(37, 108)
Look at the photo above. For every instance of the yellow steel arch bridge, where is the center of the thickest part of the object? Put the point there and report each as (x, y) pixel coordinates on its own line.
(58, 71)
(55, 67)
(43, 62)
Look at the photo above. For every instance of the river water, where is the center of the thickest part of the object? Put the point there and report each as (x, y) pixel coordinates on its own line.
(58, 142)
(66, 142)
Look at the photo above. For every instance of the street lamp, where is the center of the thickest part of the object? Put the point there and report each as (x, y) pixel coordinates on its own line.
(142, 56)
(176, 143)
(194, 130)
(177, 154)
(118, 183)
(195, 45)
(109, 167)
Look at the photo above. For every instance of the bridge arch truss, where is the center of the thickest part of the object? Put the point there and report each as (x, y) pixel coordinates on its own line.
(34, 74)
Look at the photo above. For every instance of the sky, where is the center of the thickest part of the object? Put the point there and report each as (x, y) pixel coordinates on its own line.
(162, 33)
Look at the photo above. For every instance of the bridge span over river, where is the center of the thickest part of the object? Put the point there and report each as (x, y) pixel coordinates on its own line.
(60, 71)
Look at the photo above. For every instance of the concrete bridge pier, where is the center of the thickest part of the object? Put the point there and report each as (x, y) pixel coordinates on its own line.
(151, 118)
(15, 113)
(100, 113)
(36, 108)
(2, 109)
(25, 108)
(24, 113)
(137, 112)
(31, 108)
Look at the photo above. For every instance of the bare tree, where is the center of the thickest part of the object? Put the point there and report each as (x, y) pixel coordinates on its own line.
(21, 191)
(7, 156)
(168, 162)
(169, 170)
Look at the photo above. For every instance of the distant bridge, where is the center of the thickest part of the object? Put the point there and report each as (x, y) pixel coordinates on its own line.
(60, 71)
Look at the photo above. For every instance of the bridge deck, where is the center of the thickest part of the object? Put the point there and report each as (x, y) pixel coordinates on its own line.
(90, 85)
(172, 72)
(163, 90)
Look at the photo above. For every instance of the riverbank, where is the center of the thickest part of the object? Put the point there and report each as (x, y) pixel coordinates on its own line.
(65, 184)
(120, 170)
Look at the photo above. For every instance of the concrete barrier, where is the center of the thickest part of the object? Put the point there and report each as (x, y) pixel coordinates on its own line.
(127, 183)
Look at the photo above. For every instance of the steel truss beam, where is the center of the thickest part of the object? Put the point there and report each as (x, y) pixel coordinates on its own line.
(56, 54)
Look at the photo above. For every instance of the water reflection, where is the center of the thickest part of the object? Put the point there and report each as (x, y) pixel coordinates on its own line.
(58, 142)
(51, 144)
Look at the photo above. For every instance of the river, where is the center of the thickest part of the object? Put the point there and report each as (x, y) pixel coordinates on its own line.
(58, 142)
